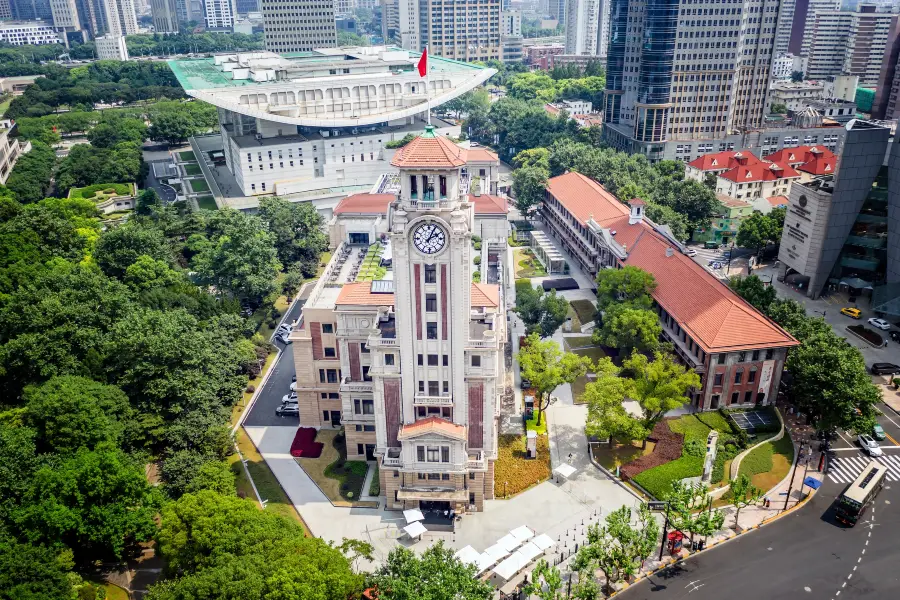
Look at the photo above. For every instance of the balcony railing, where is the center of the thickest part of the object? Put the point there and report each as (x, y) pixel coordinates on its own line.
(482, 343)
(356, 386)
(476, 460)
(381, 341)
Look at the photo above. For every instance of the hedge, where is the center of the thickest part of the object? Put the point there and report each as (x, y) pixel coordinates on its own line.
(659, 480)
(523, 285)
(88, 192)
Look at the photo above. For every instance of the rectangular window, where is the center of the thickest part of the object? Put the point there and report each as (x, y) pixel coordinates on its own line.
(472, 476)
(327, 328)
(359, 427)
(434, 454)
(445, 454)
(721, 358)
(770, 354)
(431, 302)
(432, 360)
(389, 360)
(741, 356)
(476, 360)
(330, 353)
(717, 380)
(431, 330)
(420, 476)
(421, 387)
(430, 273)
(324, 395)
(735, 397)
(396, 473)
(445, 360)
(434, 476)
(445, 476)
(359, 449)
(413, 186)
(443, 186)
(446, 387)
(751, 376)
(748, 396)
(324, 415)
(363, 348)
(756, 355)
(332, 375)
(322, 375)
(419, 360)
(433, 387)
(739, 376)
(333, 396)
(368, 428)
(420, 453)
(366, 376)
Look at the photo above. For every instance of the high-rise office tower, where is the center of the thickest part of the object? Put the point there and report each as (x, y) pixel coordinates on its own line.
(784, 25)
(5, 10)
(120, 18)
(558, 10)
(282, 32)
(467, 30)
(685, 72)
(165, 16)
(29, 10)
(582, 29)
(850, 43)
(805, 12)
(219, 13)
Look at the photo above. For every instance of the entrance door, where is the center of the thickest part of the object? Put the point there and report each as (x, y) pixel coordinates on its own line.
(335, 418)
(370, 451)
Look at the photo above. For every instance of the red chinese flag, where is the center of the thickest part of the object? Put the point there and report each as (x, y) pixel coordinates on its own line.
(423, 63)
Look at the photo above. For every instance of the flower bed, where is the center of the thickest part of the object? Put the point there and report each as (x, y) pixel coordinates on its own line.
(867, 334)
(668, 448)
(305, 444)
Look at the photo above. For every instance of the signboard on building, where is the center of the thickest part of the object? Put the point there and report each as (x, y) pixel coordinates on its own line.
(765, 377)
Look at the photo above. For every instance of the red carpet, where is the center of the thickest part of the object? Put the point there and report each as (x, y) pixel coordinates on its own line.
(305, 444)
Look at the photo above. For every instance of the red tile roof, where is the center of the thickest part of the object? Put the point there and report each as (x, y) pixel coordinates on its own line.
(763, 171)
(816, 160)
(724, 160)
(714, 316)
(365, 204)
(486, 204)
(432, 425)
(777, 201)
(480, 155)
(430, 151)
(485, 294)
(361, 293)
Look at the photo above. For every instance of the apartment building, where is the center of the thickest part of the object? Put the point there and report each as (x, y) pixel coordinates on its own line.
(22, 33)
(165, 16)
(850, 43)
(704, 75)
(584, 22)
(298, 25)
(738, 352)
(796, 95)
(11, 148)
(511, 35)
(743, 176)
(466, 30)
(30, 10)
(111, 47)
(412, 365)
(219, 14)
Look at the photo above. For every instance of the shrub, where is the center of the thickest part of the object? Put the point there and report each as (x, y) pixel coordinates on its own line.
(476, 276)
(393, 144)
(478, 246)
(477, 259)
(523, 285)
(357, 467)
(476, 238)
(695, 448)
(867, 334)
(896, 382)
(251, 389)
(272, 323)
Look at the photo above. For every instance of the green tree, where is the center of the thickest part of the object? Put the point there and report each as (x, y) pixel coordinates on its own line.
(629, 285)
(147, 273)
(97, 502)
(29, 180)
(546, 582)
(742, 493)
(695, 201)
(797, 76)
(434, 575)
(529, 184)
(33, 571)
(754, 291)
(292, 281)
(547, 367)
(757, 231)
(618, 548)
(237, 256)
(72, 412)
(181, 472)
(214, 475)
(541, 312)
(629, 329)
(18, 463)
(659, 385)
(175, 122)
(120, 247)
(689, 510)
(220, 546)
(299, 231)
(607, 417)
(779, 108)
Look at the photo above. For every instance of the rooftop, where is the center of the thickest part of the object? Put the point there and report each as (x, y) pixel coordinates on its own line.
(714, 316)
(430, 151)
(762, 171)
(432, 425)
(816, 160)
(720, 161)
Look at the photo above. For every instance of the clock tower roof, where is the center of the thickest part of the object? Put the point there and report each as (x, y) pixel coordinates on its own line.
(430, 151)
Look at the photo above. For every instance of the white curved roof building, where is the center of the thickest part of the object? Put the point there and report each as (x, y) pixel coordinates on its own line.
(313, 125)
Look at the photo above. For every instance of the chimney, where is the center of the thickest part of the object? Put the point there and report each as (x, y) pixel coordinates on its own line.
(669, 251)
(637, 211)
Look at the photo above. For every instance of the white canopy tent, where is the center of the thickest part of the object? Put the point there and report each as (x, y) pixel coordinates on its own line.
(544, 542)
(485, 561)
(412, 515)
(522, 533)
(529, 551)
(565, 470)
(497, 552)
(509, 567)
(468, 555)
(509, 543)
(415, 529)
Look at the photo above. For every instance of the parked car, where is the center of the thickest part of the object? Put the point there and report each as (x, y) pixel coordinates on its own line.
(854, 313)
(879, 323)
(526, 384)
(289, 397)
(878, 432)
(288, 409)
(283, 337)
(869, 445)
(294, 386)
(884, 369)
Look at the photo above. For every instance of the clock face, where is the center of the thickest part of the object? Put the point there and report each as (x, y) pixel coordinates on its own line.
(429, 238)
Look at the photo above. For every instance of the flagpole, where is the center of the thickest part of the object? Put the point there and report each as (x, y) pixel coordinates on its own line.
(427, 86)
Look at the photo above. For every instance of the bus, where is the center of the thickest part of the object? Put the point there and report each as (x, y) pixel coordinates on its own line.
(856, 498)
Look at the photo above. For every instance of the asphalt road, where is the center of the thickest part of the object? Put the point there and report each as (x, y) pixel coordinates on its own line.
(805, 554)
(889, 421)
(278, 384)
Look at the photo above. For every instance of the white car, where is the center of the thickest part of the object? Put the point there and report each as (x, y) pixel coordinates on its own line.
(292, 397)
(283, 337)
(880, 324)
(869, 445)
(691, 252)
(294, 386)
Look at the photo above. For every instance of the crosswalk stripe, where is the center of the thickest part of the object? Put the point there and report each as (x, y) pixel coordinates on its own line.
(848, 468)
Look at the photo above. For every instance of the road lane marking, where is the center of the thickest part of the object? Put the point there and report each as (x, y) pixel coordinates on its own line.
(885, 415)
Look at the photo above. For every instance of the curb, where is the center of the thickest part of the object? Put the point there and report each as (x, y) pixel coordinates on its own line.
(736, 461)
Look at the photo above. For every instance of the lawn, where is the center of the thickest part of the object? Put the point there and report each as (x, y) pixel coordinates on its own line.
(101, 191)
(199, 185)
(531, 424)
(585, 309)
(595, 354)
(338, 478)
(578, 341)
(207, 203)
(694, 428)
(265, 480)
(513, 473)
(619, 454)
(526, 265)
(193, 169)
(187, 155)
(5, 104)
(768, 464)
(113, 592)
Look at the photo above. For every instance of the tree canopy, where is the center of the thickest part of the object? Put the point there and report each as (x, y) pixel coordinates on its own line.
(541, 312)
(546, 366)
(435, 575)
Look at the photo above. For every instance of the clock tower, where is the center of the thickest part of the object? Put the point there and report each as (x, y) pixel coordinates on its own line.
(438, 443)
